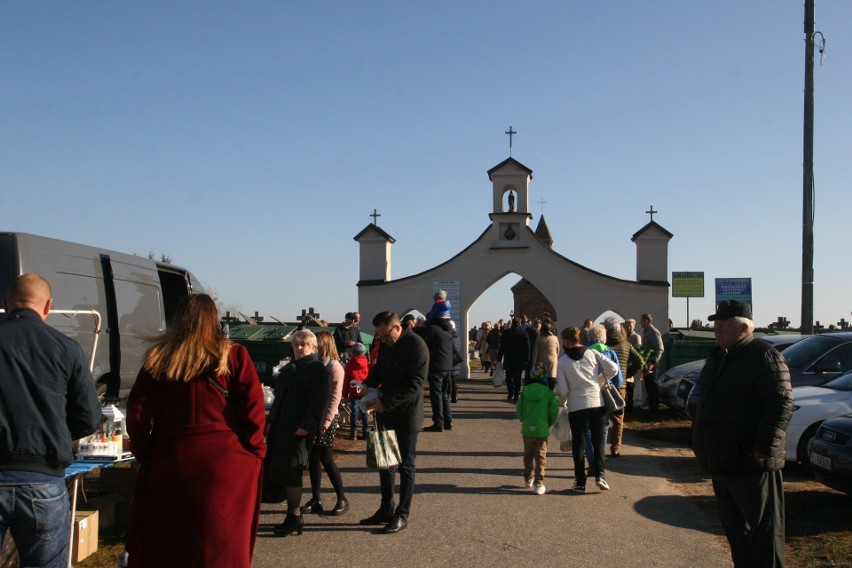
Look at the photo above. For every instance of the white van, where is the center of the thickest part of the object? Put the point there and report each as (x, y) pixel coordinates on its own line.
(134, 295)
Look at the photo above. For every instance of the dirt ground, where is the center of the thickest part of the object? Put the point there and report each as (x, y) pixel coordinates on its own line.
(819, 526)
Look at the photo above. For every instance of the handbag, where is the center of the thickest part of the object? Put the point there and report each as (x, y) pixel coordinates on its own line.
(382, 448)
(611, 398)
(640, 396)
(499, 376)
(327, 438)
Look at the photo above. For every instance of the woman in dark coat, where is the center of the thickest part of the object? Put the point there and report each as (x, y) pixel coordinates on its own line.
(197, 497)
(301, 394)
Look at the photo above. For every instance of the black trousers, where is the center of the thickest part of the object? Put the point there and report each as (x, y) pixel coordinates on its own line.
(407, 469)
(653, 391)
(751, 506)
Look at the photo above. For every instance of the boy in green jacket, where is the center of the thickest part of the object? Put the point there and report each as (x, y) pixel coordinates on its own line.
(537, 410)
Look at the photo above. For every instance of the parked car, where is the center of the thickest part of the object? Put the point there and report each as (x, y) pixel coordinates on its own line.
(811, 406)
(677, 383)
(830, 453)
(819, 358)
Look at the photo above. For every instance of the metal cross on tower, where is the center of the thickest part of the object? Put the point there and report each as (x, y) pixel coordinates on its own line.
(651, 212)
(511, 133)
(375, 215)
(542, 202)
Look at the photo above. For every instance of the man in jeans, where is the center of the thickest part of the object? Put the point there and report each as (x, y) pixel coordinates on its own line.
(47, 399)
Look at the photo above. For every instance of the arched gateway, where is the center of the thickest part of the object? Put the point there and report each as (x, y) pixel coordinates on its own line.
(507, 246)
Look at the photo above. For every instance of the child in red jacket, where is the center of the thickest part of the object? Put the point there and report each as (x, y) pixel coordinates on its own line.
(355, 372)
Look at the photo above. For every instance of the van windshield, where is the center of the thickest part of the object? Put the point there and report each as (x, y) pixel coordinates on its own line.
(8, 262)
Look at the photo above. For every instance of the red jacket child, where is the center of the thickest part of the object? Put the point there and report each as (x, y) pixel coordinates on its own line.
(355, 371)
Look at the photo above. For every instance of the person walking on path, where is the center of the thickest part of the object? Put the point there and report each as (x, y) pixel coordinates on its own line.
(196, 417)
(579, 376)
(744, 405)
(401, 372)
(322, 450)
(546, 352)
(631, 362)
(48, 399)
(515, 354)
(537, 410)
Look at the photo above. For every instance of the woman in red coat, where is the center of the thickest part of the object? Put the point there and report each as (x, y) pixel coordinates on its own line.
(195, 418)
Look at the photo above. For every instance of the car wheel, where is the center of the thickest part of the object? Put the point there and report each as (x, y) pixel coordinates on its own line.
(802, 447)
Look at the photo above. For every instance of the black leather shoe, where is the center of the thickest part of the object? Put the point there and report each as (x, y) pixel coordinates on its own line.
(448, 426)
(377, 518)
(341, 507)
(312, 506)
(433, 428)
(291, 525)
(397, 524)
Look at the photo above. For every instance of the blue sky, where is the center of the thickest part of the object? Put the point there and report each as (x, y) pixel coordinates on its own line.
(251, 140)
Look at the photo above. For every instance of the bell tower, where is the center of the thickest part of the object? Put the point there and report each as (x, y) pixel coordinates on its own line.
(510, 184)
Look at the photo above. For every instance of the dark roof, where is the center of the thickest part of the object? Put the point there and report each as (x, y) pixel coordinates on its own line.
(543, 232)
(648, 227)
(506, 162)
(376, 228)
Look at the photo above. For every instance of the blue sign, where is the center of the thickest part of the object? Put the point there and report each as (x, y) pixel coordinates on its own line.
(733, 289)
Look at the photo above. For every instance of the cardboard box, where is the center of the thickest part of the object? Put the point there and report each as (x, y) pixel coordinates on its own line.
(105, 505)
(85, 541)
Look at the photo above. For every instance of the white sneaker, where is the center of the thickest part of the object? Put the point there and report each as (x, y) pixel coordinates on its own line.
(540, 490)
(528, 483)
(602, 484)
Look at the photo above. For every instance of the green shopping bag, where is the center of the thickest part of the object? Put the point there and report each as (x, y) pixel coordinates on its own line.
(383, 449)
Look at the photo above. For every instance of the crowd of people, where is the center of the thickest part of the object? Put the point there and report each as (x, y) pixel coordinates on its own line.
(208, 454)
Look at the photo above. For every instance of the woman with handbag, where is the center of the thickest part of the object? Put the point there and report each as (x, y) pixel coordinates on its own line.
(301, 394)
(578, 380)
(322, 452)
(196, 416)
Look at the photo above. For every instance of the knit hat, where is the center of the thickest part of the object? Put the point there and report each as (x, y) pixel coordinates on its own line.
(440, 295)
(359, 349)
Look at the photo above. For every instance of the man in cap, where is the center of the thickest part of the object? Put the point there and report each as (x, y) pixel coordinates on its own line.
(744, 405)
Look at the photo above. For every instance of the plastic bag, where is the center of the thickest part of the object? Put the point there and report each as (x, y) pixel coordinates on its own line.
(561, 429)
(499, 377)
(640, 396)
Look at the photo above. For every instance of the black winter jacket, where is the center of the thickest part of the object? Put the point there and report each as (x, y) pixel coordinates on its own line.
(401, 373)
(744, 405)
(439, 338)
(47, 395)
(515, 349)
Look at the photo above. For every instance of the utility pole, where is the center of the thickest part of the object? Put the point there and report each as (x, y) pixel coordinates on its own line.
(808, 178)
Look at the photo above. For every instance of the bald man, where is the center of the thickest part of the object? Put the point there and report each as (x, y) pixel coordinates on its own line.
(47, 399)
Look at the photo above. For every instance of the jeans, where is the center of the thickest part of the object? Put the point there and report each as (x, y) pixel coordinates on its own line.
(578, 419)
(590, 447)
(38, 516)
(439, 396)
(387, 477)
(357, 414)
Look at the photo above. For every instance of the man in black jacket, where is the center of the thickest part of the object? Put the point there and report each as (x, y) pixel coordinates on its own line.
(47, 399)
(438, 335)
(400, 373)
(744, 405)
